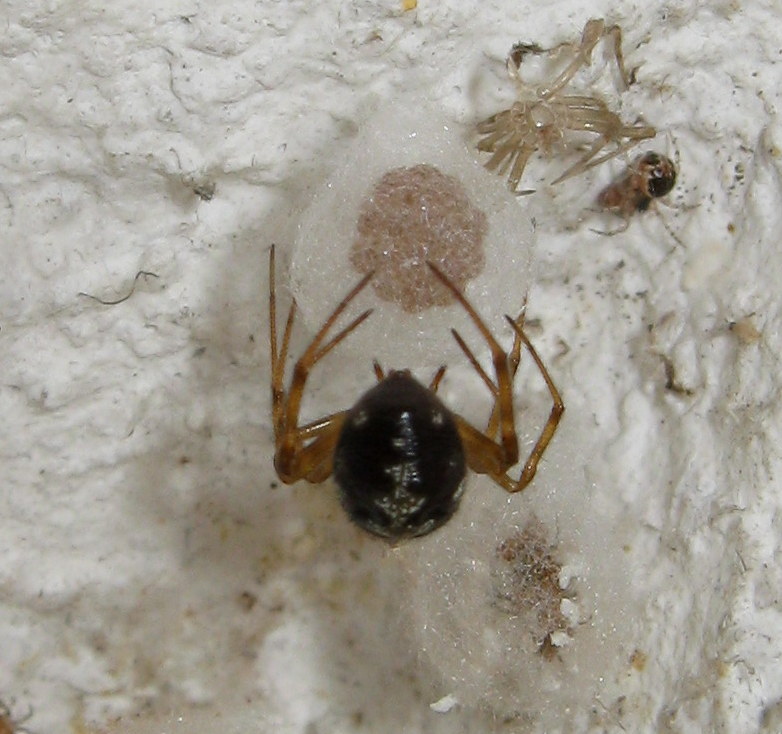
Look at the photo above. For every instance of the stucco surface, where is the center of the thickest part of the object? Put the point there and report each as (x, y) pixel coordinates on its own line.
(154, 577)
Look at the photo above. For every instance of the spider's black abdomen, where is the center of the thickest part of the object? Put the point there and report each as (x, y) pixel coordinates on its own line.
(399, 461)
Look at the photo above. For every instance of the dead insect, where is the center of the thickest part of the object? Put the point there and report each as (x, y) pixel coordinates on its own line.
(543, 115)
(399, 455)
(651, 176)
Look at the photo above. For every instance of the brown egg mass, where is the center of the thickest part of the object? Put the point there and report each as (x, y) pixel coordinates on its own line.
(415, 214)
(528, 582)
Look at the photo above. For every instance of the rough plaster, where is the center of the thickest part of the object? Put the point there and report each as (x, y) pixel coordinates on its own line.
(152, 577)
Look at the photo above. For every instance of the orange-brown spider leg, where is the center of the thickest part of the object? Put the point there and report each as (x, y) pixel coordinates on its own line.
(278, 355)
(514, 358)
(474, 362)
(315, 460)
(437, 378)
(304, 452)
(433, 385)
(557, 409)
(475, 442)
(484, 454)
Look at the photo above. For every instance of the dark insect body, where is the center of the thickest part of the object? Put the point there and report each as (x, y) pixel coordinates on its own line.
(650, 177)
(399, 455)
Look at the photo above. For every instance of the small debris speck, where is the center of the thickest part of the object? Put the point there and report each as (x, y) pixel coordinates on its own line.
(445, 704)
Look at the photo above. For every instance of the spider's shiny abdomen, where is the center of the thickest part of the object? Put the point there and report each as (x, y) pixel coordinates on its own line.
(399, 462)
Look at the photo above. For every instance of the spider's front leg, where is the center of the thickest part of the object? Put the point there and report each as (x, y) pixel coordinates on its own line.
(514, 359)
(557, 409)
(484, 454)
(475, 442)
(304, 452)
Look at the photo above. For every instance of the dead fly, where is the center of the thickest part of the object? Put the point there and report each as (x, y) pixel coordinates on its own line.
(650, 177)
(544, 117)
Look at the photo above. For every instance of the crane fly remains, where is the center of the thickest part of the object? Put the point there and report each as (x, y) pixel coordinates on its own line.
(399, 455)
(543, 116)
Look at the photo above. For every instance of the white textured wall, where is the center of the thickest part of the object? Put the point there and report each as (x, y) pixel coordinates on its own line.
(152, 579)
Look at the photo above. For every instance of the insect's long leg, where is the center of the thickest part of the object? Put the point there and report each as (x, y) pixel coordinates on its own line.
(612, 232)
(522, 156)
(584, 163)
(588, 160)
(510, 148)
(503, 154)
(593, 32)
(616, 36)
(494, 129)
(508, 441)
